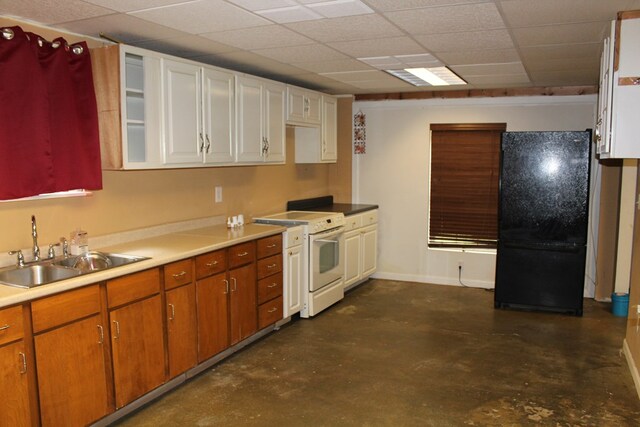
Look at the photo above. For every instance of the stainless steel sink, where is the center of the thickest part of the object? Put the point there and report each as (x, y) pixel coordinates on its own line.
(56, 269)
(36, 275)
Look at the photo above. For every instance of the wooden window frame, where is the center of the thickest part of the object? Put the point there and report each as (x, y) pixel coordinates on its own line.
(454, 223)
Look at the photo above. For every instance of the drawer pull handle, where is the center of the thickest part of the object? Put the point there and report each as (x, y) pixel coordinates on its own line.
(226, 282)
(235, 284)
(270, 266)
(173, 312)
(272, 309)
(273, 245)
(23, 363)
(4, 327)
(273, 285)
(296, 238)
(179, 275)
(117, 325)
(100, 334)
(211, 264)
(243, 254)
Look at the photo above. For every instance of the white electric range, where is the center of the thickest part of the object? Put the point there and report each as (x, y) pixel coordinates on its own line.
(322, 249)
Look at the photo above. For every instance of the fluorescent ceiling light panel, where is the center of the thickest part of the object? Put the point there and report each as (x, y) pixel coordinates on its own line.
(340, 8)
(437, 76)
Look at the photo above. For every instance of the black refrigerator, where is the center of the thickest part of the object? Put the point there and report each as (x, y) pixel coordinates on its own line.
(542, 221)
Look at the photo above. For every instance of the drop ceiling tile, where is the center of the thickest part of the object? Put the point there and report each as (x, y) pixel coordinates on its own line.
(121, 27)
(498, 79)
(487, 39)
(307, 53)
(479, 56)
(378, 47)
(186, 46)
(564, 64)
(564, 33)
(254, 5)
(377, 85)
(52, 11)
(527, 13)
(257, 61)
(561, 51)
(259, 37)
(488, 69)
(332, 66)
(562, 78)
(389, 5)
(130, 5)
(354, 76)
(290, 14)
(202, 16)
(362, 27)
(447, 19)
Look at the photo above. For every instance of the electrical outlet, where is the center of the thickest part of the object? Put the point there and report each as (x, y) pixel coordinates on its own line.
(218, 194)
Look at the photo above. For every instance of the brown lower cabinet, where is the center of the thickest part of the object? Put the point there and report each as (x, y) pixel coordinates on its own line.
(14, 385)
(213, 315)
(243, 308)
(137, 334)
(181, 329)
(71, 360)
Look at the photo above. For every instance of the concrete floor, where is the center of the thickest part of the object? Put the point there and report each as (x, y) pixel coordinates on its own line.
(407, 354)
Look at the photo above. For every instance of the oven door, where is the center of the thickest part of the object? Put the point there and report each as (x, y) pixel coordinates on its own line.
(325, 258)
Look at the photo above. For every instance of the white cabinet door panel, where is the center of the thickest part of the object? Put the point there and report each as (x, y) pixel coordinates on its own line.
(219, 116)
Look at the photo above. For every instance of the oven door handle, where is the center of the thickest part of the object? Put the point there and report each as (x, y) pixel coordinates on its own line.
(329, 233)
(335, 242)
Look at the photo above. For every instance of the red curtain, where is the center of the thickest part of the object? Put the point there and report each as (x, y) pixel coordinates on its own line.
(48, 117)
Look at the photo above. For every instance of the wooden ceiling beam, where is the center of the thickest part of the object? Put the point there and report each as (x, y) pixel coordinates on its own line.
(480, 93)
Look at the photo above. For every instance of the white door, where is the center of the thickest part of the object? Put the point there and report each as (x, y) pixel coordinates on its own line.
(274, 120)
(351, 257)
(369, 236)
(218, 116)
(249, 105)
(329, 129)
(292, 291)
(183, 139)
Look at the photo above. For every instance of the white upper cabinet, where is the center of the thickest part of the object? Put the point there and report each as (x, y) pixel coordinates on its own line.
(329, 129)
(618, 126)
(218, 116)
(304, 107)
(260, 121)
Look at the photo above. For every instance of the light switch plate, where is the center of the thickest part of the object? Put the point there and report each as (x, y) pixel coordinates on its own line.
(218, 195)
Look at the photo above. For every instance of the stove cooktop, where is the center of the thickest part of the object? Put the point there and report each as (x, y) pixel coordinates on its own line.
(316, 221)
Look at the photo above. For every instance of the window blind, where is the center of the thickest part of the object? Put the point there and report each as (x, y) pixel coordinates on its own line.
(465, 166)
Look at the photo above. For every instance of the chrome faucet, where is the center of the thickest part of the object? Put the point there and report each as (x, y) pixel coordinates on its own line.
(34, 234)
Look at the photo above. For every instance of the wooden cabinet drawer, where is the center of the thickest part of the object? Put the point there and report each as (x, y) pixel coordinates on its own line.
(211, 263)
(269, 266)
(270, 312)
(352, 222)
(269, 246)
(269, 288)
(133, 287)
(66, 307)
(242, 254)
(177, 273)
(11, 328)
(369, 217)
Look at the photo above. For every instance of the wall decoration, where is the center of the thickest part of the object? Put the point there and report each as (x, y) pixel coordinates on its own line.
(359, 133)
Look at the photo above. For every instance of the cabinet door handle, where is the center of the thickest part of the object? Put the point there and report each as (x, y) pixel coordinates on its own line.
(272, 309)
(201, 143)
(179, 275)
(290, 253)
(23, 363)
(241, 254)
(4, 327)
(117, 325)
(211, 264)
(273, 285)
(173, 311)
(100, 334)
(208, 143)
(235, 284)
(227, 286)
(270, 266)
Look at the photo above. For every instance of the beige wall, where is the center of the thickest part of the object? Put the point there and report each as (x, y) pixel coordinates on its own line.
(633, 332)
(138, 199)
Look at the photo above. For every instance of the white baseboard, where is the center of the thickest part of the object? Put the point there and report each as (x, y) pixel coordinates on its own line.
(434, 280)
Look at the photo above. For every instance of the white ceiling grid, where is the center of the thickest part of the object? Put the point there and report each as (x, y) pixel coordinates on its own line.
(331, 45)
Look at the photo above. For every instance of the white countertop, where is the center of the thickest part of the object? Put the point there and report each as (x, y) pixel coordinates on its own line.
(161, 250)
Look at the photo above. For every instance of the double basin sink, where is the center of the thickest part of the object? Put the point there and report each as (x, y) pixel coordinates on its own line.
(60, 268)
